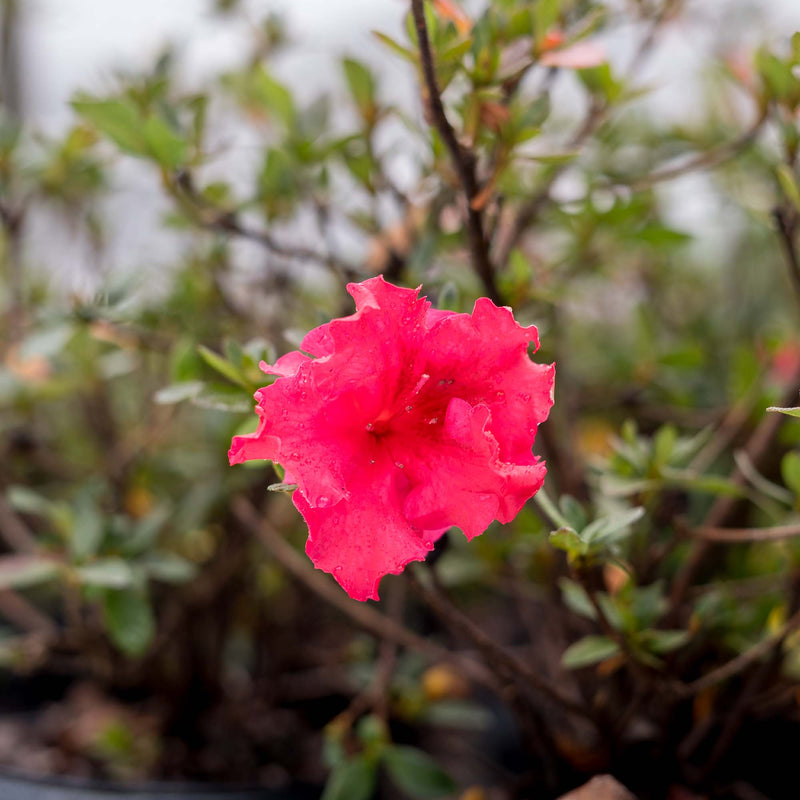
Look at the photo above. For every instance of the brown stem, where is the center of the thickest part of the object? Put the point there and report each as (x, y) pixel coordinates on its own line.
(786, 223)
(498, 658)
(463, 159)
(530, 210)
(365, 616)
(14, 532)
(755, 449)
(214, 219)
(710, 159)
(737, 665)
(734, 535)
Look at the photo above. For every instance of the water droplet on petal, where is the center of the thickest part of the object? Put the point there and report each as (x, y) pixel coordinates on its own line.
(323, 502)
(337, 569)
(369, 426)
(399, 465)
(500, 395)
(526, 397)
(409, 408)
(295, 456)
(372, 461)
(433, 420)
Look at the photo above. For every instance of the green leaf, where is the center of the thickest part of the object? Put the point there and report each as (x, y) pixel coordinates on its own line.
(545, 15)
(129, 620)
(576, 598)
(663, 444)
(661, 642)
(168, 567)
(395, 47)
(87, 529)
(25, 500)
(573, 511)
(600, 80)
(589, 650)
(274, 96)
(144, 534)
(177, 392)
(790, 412)
(166, 147)
(351, 780)
(567, 539)
(362, 87)
(221, 397)
(790, 471)
(46, 343)
(460, 714)
(22, 571)
(372, 730)
(110, 573)
(416, 773)
(120, 120)
(612, 527)
(222, 366)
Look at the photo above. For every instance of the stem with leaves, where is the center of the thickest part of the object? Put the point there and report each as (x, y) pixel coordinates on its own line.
(463, 159)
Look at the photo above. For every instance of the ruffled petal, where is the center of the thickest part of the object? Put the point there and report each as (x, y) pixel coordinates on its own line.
(458, 479)
(483, 358)
(366, 536)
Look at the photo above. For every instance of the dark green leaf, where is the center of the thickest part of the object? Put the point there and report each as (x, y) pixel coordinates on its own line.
(417, 773)
(129, 620)
(120, 120)
(362, 87)
(166, 147)
(589, 650)
(110, 573)
(22, 571)
(351, 780)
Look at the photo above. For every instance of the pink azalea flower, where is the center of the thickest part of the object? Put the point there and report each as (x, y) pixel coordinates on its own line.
(401, 422)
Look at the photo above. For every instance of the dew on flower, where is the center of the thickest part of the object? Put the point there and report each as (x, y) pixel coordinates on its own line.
(451, 453)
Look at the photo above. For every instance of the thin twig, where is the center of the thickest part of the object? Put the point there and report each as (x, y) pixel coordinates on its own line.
(363, 615)
(755, 449)
(20, 612)
(710, 159)
(214, 219)
(734, 535)
(786, 223)
(498, 658)
(530, 210)
(14, 532)
(463, 159)
(743, 660)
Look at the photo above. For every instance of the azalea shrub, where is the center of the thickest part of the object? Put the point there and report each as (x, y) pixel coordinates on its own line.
(508, 381)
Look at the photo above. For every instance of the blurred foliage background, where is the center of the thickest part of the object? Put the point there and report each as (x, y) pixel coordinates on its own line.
(157, 617)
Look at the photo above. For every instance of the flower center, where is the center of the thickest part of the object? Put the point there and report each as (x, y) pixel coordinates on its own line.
(424, 405)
